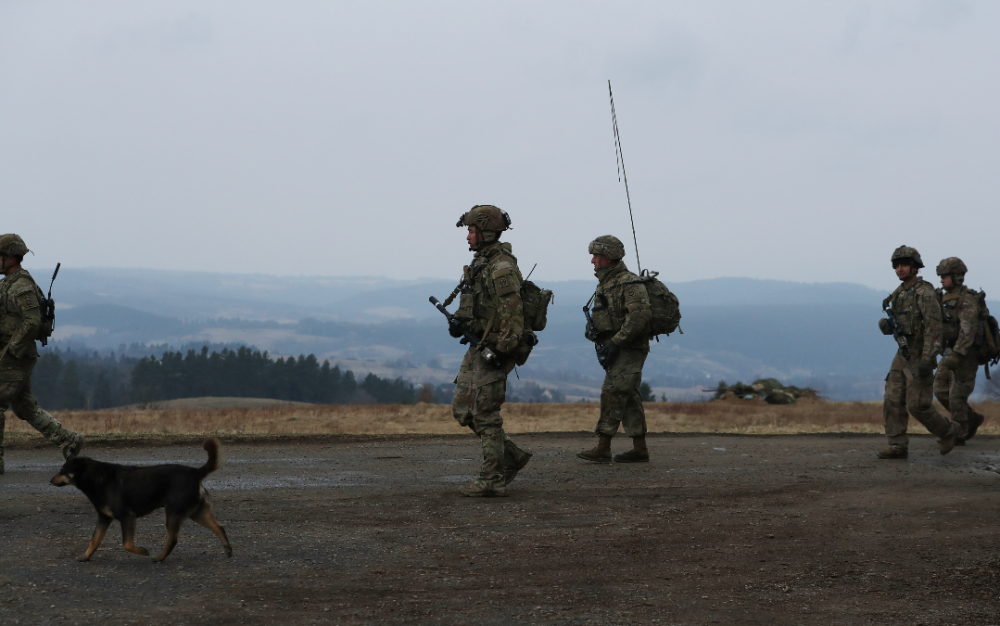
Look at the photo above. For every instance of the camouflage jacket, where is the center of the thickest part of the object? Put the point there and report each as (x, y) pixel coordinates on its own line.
(491, 297)
(919, 314)
(960, 311)
(20, 315)
(621, 310)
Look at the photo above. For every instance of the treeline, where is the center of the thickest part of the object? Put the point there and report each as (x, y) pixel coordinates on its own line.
(72, 380)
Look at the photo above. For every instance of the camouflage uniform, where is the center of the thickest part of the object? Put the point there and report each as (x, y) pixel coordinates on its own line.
(956, 375)
(20, 320)
(621, 316)
(908, 385)
(491, 307)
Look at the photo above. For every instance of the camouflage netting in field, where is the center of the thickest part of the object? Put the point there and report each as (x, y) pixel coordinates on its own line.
(767, 389)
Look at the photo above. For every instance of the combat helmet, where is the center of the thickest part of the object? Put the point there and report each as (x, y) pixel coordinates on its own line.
(12, 245)
(953, 266)
(609, 246)
(490, 220)
(907, 253)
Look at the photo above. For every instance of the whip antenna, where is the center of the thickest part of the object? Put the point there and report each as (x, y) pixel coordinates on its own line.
(620, 162)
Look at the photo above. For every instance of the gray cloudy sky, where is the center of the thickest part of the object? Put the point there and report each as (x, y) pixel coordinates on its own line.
(782, 139)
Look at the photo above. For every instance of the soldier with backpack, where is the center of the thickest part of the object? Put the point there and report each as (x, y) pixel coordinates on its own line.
(964, 313)
(628, 311)
(492, 318)
(914, 321)
(22, 322)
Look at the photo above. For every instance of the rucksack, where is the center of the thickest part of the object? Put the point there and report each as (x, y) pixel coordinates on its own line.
(987, 342)
(535, 302)
(664, 304)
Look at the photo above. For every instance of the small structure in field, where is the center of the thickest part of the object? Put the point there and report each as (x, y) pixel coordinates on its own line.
(769, 390)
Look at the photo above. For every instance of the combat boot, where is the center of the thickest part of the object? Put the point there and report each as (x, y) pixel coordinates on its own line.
(490, 483)
(601, 453)
(514, 459)
(975, 421)
(947, 443)
(69, 442)
(638, 453)
(893, 452)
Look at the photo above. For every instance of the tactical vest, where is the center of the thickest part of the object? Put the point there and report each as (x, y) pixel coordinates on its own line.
(949, 316)
(904, 305)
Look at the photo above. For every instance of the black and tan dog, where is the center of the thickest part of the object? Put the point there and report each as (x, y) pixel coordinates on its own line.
(127, 493)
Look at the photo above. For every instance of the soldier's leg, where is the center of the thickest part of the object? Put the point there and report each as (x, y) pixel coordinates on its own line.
(488, 424)
(943, 379)
(26, 408)
(963, 383)
(515, 458)
(919, 397)
(894, 413)
(7, 391)
(633, 415)
(607, 423)
(3, 424)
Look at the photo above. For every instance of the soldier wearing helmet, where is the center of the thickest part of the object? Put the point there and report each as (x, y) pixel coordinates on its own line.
(620, 317)
(909, 385)
(20, 321)
(491, 307)
(956, 374)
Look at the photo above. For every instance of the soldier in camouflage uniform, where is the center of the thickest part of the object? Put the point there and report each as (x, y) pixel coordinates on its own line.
(491, 307)
(908, 386)
(20, 320)
(956, 374)
(621, 317)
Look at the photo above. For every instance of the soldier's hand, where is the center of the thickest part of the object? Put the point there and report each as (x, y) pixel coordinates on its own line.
(607, 354)
(454, 328)
(951, 361)
(925, 369)
(885, 326)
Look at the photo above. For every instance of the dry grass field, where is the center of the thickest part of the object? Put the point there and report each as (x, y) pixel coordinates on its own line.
(190, 417)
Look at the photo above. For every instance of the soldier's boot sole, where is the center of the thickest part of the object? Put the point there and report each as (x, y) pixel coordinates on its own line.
(893, 452)
(483, 489)
(595, 456)
(947, 443)
(632, 456)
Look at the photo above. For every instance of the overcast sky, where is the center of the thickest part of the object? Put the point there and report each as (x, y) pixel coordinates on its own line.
(781, 139)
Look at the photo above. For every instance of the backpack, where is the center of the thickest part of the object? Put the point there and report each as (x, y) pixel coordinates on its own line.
(536, 305)
(664, 304)
(987, 342)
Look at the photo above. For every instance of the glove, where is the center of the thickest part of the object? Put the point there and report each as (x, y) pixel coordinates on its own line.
(607, 354)
(925, 369)
(885, 326)
(455, 328)
(951, 361)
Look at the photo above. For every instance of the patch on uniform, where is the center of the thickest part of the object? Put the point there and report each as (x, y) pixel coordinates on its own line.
(631, 292)
(505, 281)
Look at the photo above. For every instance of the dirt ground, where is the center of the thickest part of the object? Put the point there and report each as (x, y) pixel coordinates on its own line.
(717, 529)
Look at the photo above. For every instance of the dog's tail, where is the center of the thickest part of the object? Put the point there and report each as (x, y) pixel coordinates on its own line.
(214, 448)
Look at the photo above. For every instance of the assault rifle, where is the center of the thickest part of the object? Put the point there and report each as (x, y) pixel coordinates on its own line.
(467, 335)
(897, 331)
(602, 354)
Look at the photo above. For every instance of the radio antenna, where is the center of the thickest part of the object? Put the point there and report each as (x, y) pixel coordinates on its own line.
(620, 162)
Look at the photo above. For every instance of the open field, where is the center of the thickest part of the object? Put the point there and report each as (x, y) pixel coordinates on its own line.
(209, 416)
(716, 529)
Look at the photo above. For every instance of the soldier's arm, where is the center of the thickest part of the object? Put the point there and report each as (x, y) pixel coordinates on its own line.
(637, 315)
(968, 318)
(509, 324)
(930, 311)
(23, 341)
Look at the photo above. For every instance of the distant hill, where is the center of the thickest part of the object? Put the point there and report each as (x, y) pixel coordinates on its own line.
(821, 334)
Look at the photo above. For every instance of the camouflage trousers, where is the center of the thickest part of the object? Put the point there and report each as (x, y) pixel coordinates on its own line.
(952, 387)
(621, 402)
(16, 394)
(906, 391)
(480, 391)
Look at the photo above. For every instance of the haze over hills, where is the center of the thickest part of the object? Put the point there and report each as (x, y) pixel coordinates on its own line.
(820, 334)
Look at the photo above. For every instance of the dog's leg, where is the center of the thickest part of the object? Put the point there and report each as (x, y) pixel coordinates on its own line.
(173, 527)
(103, 521)
(206, 518)
(128, 537)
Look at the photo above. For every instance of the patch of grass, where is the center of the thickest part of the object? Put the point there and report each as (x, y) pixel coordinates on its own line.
(737, 417)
